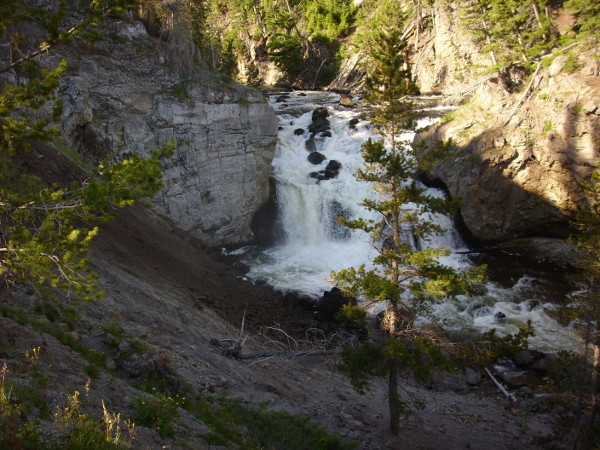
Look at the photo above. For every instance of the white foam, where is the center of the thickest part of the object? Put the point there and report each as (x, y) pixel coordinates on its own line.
(315, 245)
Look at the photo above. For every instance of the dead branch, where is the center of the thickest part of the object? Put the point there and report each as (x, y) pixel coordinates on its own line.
(526, 94)
(499, 385)
(286, 353)
(277, 343)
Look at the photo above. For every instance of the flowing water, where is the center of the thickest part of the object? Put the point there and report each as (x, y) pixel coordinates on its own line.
(313, 244)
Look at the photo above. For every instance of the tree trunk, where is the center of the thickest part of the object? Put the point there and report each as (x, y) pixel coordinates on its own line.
(488, 41)
(417, 25)
(536, 11)
(393, 397)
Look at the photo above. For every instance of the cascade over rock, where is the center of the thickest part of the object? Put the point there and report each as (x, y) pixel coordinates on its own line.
(122, 99)
(522, 149)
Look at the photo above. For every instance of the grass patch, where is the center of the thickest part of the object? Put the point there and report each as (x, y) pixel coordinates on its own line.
(120, 335)
(30, 399)
(572, 63)
(157, 412)
(180, 91)
(18, 315)
(250, 427)
(82, 432)
(70, 153)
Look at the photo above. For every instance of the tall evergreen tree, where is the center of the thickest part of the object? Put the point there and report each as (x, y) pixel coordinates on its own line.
(405, 276)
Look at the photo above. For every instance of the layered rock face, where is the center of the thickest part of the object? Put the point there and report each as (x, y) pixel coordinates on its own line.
(522, 145)
(520, 157)
(447, 57)
(124, 99)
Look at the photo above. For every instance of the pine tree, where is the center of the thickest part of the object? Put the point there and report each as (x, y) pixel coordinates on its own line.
(406, 277)
(46, 231)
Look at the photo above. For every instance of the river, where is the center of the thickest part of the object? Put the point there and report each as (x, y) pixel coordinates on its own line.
(312, 244)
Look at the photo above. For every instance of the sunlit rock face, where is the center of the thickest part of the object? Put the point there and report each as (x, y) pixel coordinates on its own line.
(519, 160)
(122, 98)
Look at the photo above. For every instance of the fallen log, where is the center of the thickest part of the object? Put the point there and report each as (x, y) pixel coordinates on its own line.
(284, 353)
(499, 385)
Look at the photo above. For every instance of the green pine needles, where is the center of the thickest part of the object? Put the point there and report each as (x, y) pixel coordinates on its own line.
(46, 230)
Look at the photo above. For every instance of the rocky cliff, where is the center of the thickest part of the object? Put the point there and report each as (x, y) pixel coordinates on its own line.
(125, 95)
(520, 157)
(523, 142)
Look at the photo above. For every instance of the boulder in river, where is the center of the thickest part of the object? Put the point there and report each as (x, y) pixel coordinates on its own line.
(333, 165)
(319, 125)
(310, 145)
(316, 158)
(330, 303)
(299, 131)
(346, 100)
(320, 113)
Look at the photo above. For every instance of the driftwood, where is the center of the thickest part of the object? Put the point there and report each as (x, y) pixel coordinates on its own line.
(277, 343)
(502, 389)
(526, 94)
(285, 353)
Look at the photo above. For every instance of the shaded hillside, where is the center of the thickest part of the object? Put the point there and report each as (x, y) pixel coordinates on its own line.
(152, 338)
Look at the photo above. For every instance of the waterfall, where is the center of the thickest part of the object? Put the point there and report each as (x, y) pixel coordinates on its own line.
(315, 244)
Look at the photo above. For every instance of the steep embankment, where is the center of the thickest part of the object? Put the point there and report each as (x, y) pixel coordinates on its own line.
(124, 96)
(167, 301)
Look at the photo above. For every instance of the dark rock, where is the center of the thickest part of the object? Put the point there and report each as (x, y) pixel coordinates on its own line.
(331, 173)
(314, 175)
(310, 145)
(320, 113)
(282, 98)
(301, 94)
(241, 267)
(319, 126)
(316, 158)
(137, 365)
(499, 315)
(265, 224)
(279, 128)
(124, 346)
(543, 365)
(108, 338)
(526, 392)
(330, 303)
(299, 131)
(333, 165)
(325, 174)
(326, 134)
(526, 358)
(517, 379)
(353, 122)
(533, 304)
(453, 382)
(472, 377)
